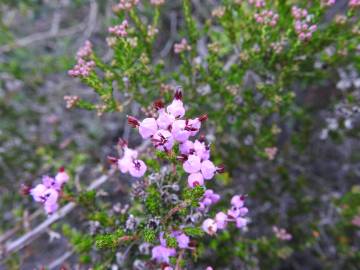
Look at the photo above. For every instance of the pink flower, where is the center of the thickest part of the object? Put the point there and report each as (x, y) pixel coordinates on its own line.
(241, 222)
(282, 234)
(271, 152)
(161, 254)
(237, 201)
(209, 226)
(163, 140)
(62, 177)
(137, 168)
(208, 169)
(354, 3)
(85, 51)
(182, 46)
(186, 147)
(178, 131)
(125, 5)
(50, 182)
(182, 239)
(176, 108)
(201, 150)
(124, 164)
(38, 192)
(148, 127)
(221, 220)
(119, 30)
(194, 125)
(195, 179)
(356, 221)
(157, 2)
(192, 164)
(82, 68)
(298, 13)
(46, 195)
(208, 199)
(164, 120)
(329, 3)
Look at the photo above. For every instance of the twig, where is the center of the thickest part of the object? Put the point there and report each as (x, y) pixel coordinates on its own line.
(19, 225)
(181, 253)
(174, 211)
(59, 261)
(24, 240)
(23, 42)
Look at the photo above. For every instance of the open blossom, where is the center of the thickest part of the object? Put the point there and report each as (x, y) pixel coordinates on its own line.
(209, 198)
(195, 179)
(148, 127)
(162, 253)
(182, 46)
(119, 30)
(129, 163)
(235, 214)
(209, 226)
(182, 239)
(176, 108)
(267, 17)
(163, 140)
(48, 192)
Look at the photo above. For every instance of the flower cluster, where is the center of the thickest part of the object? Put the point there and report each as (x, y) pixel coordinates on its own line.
(281, 234)
(129, 163)
(125, 5)
(329, 3)
(354, 3)
(84, 65)
(208, 199)
(299, 13)
(303, 29)
(169, 128)
(157, 2)
(267, 17)
(119, 30)
(49, 191)
(161, 253)
(182, 46)
(235, 214)
(257, 3)
(71, 101)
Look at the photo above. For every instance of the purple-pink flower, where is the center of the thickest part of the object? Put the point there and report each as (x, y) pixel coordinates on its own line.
(129, 163)
(48, 192)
